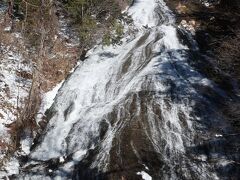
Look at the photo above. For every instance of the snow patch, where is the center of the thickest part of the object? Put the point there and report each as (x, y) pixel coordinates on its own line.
(11, 167)
(145, 176)
(26, 145)
(7, 29)
(218, 135)
(47, 101)
(61, 159)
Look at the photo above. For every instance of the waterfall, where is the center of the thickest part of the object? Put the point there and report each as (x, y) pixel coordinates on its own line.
(130, 109)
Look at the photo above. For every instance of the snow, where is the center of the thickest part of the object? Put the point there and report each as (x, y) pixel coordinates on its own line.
(26, 145)
(13, 85)
(7, 29)
(145, 176)
(48, 98)
(61, 159)
(206, 4)
(47, 101)
(3, 130)
(14, 90)
(10, 167)
(145, 167)
(209, 3)
(218, 135)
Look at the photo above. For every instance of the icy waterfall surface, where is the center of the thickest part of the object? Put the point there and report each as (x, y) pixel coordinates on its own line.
(129, 107)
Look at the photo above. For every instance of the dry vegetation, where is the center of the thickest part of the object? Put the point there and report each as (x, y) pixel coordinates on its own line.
(228, 54)
(50, 54)
(217, 32)
(42, 48)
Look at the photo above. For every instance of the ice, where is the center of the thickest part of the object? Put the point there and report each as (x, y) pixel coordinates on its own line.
(141, 12)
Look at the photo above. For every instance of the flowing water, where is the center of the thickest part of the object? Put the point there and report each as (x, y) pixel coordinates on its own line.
(135, 110)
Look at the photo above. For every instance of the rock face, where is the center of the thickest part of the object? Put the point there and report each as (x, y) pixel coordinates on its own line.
(138, 110)
(216, 30)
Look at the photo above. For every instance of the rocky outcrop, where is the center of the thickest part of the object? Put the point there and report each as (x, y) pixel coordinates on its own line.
(215, 27)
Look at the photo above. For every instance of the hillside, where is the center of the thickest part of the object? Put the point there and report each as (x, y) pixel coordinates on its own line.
(119, 89)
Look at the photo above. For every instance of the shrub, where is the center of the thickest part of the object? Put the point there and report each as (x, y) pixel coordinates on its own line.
(107, 39)
(87, 26)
